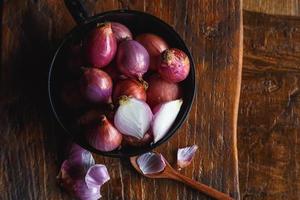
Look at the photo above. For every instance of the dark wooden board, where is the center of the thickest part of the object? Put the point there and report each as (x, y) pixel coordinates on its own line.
(273, 7)
(269, 114)
(31, 142)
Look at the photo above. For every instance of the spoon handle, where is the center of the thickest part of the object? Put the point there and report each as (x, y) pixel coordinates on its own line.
(200, 187)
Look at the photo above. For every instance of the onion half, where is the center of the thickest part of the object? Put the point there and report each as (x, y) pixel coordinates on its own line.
(164, 116)
(133, 117)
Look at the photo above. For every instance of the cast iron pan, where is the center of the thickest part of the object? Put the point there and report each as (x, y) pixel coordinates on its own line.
(138, 22)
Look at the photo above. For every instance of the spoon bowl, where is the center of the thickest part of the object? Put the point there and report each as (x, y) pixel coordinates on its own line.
(164, 174)
(170, 173)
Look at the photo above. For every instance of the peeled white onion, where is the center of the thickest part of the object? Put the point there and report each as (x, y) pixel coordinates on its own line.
(133, 117)
(164, 116)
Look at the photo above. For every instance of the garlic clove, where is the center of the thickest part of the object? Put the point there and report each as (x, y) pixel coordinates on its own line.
(151, 163)
(186, 155)
(164, 117)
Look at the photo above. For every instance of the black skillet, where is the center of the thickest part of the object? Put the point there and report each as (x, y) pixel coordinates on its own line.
(138, 22)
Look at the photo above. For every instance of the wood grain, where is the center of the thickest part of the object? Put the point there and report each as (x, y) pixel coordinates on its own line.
(269, 115)
(274, 7)
(32, 143)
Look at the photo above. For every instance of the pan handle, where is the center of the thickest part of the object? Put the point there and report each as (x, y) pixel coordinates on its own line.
(77, 10)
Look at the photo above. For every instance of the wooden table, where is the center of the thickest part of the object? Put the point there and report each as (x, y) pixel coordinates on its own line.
(269, 113)
(31, 142)
(274, 7)
(268, 133)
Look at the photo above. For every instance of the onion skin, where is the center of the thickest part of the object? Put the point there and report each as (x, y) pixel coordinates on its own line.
(174, 66)
(132, 59)
(151, 163)
(104, 136)
(185, 156)
(78, 161)
(130, 88)
(96, 86)
(160, 91)
(120, 31)
(155, 45)
(80, 176)
(100, 46)
(133, 141)
(71, 96)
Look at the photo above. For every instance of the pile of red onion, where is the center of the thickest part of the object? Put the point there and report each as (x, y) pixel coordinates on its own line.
(128, 91)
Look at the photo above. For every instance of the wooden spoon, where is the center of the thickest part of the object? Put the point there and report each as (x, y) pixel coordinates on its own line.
(170, 173)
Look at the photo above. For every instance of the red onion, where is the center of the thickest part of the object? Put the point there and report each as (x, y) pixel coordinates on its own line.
(120, 31)
(155, 45)
(104, 136)
(133, 141)
(160, 91)
(132, 59)
(71, 96)
(174, 66)
(96, 86)
(130, 88)
(100, 45)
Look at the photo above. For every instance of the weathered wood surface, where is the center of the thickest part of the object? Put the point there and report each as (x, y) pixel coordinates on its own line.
(274, 7)
(269, 113)
(31, 142)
